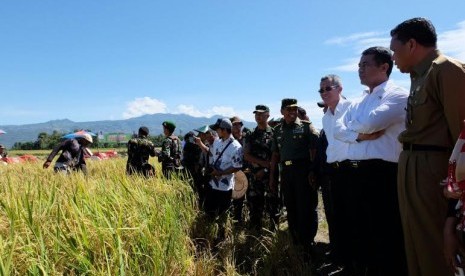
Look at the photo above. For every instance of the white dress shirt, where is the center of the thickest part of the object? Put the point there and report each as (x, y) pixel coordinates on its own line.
(384, 108)
(336, 150)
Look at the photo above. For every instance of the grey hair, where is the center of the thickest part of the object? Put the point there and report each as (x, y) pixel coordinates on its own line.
(334, 79)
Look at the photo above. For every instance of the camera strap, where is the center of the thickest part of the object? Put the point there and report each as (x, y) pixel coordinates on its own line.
(221, 153)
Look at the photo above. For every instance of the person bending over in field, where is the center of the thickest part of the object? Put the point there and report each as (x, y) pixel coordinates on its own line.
(72, 155)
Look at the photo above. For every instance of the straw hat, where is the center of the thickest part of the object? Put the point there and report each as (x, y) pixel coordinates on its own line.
(240, 185)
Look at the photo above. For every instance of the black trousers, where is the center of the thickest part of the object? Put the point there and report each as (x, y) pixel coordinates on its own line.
(217, 202)
(301, 201)
(324, 181)
(367, 216)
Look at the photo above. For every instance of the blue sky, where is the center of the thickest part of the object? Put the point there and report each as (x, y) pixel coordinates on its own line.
(93, 60)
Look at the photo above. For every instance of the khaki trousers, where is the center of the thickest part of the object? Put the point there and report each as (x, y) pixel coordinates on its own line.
(423, 210)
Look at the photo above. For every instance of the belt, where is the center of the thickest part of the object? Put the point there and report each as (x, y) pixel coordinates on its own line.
(355, 163)
(295, 162)
(417, 147)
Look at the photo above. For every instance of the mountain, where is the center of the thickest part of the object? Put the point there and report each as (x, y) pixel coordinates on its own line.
(184, 123)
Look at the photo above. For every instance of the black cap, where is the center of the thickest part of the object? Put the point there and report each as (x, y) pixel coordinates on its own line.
(288, 103)
(261, 108)
(321, 104)
(222, 123)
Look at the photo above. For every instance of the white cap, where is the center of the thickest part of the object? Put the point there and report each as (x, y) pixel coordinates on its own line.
(87, 137)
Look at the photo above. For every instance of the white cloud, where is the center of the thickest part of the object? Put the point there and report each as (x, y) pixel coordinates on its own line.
(226, 111)
(351, 38)
(190, 110)
(450, 42)
(142, 106)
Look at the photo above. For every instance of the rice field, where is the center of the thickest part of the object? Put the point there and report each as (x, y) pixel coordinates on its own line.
(108, 223)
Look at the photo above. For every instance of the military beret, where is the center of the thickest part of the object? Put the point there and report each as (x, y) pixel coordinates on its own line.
(288, 103)
(169, 125)
(261, 108)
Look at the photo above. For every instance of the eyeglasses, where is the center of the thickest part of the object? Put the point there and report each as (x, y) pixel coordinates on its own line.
(327, 89)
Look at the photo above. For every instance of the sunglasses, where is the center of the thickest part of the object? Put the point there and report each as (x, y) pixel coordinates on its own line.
(327, 89)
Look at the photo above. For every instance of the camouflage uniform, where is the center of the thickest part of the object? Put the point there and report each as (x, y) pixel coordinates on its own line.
(139, 152)
(170, 155)
(258, 144)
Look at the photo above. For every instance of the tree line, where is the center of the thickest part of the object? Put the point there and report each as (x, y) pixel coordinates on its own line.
(49, 141)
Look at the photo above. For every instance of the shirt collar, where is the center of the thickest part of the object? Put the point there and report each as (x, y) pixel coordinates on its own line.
(338, 106)
(296, 122)
(380, 88)
(421, 68)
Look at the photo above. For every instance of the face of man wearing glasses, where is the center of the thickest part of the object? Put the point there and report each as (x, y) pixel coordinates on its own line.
(330, 93)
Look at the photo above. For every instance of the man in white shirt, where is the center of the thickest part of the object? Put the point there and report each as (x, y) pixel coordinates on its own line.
(370, 127)
(226, 159)
(336, 151)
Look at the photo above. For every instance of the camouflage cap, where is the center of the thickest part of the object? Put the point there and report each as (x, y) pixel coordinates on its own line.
(261, 108)
(169, 125)
(288, 103)
(235, 119)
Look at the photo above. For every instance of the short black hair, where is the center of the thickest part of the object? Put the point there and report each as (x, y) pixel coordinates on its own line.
(228, 130)
(143, 131)
(381, 55)
(418, 28)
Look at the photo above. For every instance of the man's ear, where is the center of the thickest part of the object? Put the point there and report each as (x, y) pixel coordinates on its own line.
(412, 44)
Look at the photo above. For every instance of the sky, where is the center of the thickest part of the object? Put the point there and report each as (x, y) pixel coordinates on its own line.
(93, 60)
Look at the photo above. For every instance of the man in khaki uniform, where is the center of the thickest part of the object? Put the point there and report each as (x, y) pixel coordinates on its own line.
(435, 111)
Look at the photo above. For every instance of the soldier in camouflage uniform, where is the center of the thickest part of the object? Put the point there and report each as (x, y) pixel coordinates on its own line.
(139, 151)
(257, 153)
(170, 155)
